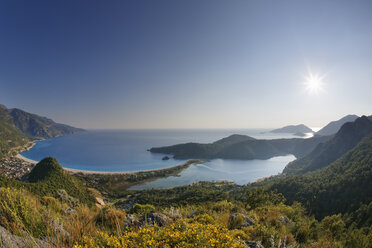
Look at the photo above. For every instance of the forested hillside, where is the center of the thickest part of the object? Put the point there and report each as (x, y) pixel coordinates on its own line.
(36, 126)
(18, 127)
(10, 136)
(243, 147)
(345, 139)
(341, 187)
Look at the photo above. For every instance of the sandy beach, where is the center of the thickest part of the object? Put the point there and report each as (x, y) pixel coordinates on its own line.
(128, 172)
(106, 172)
(26, 159)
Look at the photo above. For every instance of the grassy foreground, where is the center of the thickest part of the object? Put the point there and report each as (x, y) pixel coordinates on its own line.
(57, 208)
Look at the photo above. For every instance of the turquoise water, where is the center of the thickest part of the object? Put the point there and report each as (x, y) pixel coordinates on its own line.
(239, 171)
(126, 150)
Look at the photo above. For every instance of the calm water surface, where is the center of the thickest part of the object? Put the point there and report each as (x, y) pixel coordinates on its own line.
(238, 171)
(126, 150)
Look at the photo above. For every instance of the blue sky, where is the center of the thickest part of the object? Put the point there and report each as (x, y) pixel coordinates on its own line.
(186, 64)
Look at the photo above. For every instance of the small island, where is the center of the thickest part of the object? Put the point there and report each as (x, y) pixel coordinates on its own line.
(165, 158)
(294, 129)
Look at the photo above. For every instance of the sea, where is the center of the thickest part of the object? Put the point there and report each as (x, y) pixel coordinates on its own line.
(127, 150)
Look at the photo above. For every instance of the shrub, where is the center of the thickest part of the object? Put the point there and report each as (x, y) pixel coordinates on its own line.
(204, 219)
(81, 223)
(52, 203)
(142, 209)
(236, 221)
(19, 210)
(222, 206)
(174, 235)
(333, 225)
(112, 218)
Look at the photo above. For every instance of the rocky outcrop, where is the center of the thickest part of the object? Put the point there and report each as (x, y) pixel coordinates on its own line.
(10, 240)
(65, 197)
(284, 220)
(238, 220)
(253, 244)
(131, 221)
(156, 218)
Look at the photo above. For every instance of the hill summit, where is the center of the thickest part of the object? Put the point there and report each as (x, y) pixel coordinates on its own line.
(49, 176)
(334, 126)
(46, 169)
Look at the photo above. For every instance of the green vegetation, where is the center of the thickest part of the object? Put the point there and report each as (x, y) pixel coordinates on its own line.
(114, 185)
(342, 187)
(346, 138)
(35, 126)
(230, 221)
(10, 136)
(329, 206)
(243, 147)
(57, 207)
(48, 178)
(18, 128)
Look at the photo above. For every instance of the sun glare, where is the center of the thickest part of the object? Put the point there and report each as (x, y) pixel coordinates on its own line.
(314, 83)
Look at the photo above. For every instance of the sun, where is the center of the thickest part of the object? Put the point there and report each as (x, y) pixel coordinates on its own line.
(314, 83)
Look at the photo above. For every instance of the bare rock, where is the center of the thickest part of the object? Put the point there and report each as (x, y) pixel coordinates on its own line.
(285, 220)
(238, 220)
(253, 244)
(9, 240)
(131, 221)
(157, 218)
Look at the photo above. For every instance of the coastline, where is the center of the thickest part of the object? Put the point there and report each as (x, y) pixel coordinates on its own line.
(26, 159)
(29, 147)
(87, 172)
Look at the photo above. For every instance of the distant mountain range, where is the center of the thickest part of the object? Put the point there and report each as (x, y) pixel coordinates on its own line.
(294, 129)
(35, 126)
(18, 127)
(245, 147)
(334, 126)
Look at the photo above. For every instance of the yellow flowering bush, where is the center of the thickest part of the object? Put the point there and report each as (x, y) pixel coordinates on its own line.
(179, 234)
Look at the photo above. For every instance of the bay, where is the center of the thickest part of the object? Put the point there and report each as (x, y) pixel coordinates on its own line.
(127, 150)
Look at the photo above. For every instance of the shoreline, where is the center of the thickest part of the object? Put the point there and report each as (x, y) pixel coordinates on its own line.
(29, 147)
(26, 159)
(87, 172)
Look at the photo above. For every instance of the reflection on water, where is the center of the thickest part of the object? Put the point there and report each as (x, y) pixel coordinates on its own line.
(238, 171)
(126, 150)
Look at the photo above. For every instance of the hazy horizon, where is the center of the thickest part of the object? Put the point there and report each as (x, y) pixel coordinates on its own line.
(187, 65)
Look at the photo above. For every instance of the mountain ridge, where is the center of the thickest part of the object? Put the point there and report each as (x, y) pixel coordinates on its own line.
(334, 126)
(36, 126)
(18, 127)
(340, 187)
(349, 135)
(243, 147)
